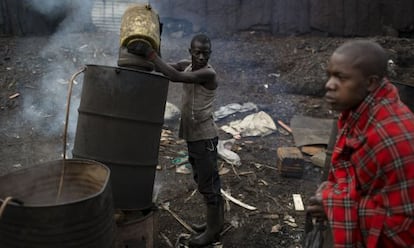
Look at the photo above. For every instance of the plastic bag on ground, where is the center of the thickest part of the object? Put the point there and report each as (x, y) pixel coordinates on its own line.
(232, 108)
(258, 124)
(226, 154)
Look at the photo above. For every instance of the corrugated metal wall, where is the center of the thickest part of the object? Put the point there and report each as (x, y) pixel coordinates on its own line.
(335, 17)
(107, 14)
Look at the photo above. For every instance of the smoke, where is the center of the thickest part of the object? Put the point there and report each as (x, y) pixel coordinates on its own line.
(49, 8)
(73, 12)
(80, 39)
(69, 49)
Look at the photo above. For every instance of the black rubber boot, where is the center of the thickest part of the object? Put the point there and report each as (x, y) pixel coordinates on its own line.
(199, 227)
(215, 220)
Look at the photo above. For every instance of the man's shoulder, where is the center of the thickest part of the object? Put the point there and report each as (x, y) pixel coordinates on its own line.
(393, 121)
(211, 68)
(184, 61)
(207, 68)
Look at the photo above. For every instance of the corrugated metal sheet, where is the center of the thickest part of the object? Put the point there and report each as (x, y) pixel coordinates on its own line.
(107, 14)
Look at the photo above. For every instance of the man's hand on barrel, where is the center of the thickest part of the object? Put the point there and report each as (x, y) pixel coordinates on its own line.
(141, 48)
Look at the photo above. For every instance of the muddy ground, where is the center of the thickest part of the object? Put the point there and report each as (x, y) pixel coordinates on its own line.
(283, 76)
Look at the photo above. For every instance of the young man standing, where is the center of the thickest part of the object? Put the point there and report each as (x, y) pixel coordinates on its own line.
(197, 125)
(368, 198)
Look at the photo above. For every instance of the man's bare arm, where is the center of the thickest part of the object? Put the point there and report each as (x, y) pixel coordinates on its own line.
(204, 76)
(180, 65)
(198, 77)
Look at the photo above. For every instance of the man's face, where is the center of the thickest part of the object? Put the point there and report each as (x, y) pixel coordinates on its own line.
(346, 87)
(200, 54)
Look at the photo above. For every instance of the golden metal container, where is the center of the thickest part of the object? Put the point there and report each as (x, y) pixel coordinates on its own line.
(140, 21)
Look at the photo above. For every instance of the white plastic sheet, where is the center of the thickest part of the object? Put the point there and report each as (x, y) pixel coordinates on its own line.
(257, 124)
(172, 112)
(232, 108)
(226, 154)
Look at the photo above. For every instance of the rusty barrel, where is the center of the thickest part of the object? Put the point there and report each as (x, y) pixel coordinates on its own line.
(120, 120)
(81, 215)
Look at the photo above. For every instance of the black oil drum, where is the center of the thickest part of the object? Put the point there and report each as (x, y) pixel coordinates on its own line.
(120, 120)
(406, 92)
(49, 210)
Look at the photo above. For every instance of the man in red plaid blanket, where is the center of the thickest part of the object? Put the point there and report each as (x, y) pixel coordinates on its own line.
(368, 198)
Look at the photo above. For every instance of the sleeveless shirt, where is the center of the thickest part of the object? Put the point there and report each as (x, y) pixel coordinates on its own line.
(197, 121)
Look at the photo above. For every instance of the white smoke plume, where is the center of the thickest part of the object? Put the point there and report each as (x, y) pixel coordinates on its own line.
(70, 48)
(78, 41)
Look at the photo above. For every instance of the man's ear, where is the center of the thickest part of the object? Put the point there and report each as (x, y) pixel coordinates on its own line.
(189, 50)
(373, 82)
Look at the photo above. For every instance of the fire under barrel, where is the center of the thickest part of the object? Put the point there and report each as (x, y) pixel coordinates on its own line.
(120, 120)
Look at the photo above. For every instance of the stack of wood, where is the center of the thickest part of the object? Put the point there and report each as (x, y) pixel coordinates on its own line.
(290, 162)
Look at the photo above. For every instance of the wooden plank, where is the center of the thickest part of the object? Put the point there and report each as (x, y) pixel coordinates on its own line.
(297, 201)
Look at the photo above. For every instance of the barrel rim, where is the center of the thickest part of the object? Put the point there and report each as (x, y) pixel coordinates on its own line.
(400, 83)
(82, 199)
(124, 163)
(152, 73)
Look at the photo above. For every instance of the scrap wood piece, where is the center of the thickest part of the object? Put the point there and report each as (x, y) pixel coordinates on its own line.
(226, 230)
(297, 201)
(263, 182)
(245, 173)
(286, 127)
(313, 149)
(290, 162)
(181, 221)
(238, 202)
(167, 240)
(258, 166)
(14, 95)
(235, 171)
(270, 167)
(192, 194)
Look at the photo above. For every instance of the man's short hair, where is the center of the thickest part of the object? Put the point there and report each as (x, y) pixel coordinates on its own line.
(202, 38)
(368, 56)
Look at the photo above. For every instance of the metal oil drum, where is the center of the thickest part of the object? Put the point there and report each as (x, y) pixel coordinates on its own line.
(140, 21)
(62, 203)
(406, 92)
(138, 229)
(121, 114)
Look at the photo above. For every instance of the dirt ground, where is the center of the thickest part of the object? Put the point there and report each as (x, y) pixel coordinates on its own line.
(283, 76)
